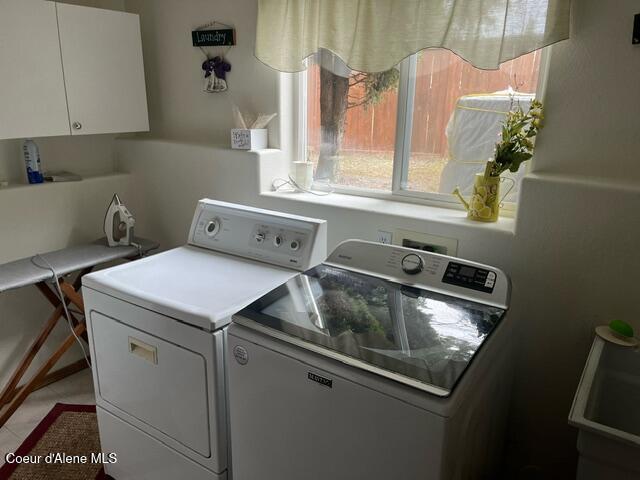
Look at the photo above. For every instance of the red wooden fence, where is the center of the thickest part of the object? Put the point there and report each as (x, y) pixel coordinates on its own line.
(441, 78)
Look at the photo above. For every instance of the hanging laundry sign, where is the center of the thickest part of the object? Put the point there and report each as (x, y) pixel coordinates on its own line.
(215, 65)
(213, 38)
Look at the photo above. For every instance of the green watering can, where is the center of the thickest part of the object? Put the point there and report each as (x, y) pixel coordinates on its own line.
(485, 202)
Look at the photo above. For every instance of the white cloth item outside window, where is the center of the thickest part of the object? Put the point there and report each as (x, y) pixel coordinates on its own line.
(472, 133)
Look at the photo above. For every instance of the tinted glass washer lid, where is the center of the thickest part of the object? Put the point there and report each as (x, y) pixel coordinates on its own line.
(414, 317)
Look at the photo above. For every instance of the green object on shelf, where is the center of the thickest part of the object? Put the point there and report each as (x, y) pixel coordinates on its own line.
(621, 328)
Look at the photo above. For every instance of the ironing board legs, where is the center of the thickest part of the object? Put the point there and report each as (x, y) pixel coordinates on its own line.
(52, 377)
(30, 355)
(13, 395)
(42, 372)
(55, 301)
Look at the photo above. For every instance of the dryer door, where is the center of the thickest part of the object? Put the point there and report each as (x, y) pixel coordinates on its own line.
(157, 382)
(161, 376)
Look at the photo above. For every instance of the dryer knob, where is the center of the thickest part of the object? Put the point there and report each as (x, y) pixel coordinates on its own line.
(295, 245)
(412, 264)
(213, 227)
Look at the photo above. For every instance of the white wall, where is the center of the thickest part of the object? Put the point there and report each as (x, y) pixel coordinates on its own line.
(592, 97)
(572, 257)
(575, 251)
(180, 109)
(572, 265)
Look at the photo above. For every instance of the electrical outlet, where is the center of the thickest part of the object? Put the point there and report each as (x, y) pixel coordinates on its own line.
(384, 237)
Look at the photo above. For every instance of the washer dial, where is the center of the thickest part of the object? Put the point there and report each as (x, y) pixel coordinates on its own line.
(412, 264)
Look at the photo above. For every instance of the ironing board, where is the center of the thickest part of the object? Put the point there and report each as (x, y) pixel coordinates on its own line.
(36, 271)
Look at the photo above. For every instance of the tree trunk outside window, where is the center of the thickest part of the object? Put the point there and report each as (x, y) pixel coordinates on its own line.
(337, 95)
(334, 99)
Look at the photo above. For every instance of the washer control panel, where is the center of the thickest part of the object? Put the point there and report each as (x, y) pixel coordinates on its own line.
(468, 276)
(273, 237)
(419, 269)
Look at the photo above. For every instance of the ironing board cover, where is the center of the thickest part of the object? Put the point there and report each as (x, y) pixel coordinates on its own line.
(29, 271)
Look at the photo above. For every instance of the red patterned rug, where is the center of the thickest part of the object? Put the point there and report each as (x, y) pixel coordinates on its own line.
(67, 430)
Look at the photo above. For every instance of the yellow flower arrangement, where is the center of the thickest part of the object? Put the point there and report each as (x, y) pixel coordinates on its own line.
(515, 146)
(517, 142)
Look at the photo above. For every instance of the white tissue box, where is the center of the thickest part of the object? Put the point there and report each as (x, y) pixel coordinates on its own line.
(249, 139)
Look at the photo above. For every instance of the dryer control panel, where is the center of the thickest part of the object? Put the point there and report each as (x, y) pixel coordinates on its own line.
(290, 241)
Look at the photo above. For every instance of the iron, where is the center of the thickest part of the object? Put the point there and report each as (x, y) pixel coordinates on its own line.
(118, 223)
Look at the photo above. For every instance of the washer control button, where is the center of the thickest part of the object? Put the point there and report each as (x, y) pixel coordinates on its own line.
(212, 227)
(294, 245)
(412, 264)
(277, 240)
(260, 237)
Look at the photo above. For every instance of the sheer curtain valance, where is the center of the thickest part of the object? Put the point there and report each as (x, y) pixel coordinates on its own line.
(375, 35)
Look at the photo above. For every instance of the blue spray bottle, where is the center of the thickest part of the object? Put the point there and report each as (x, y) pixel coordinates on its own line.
(32, 161)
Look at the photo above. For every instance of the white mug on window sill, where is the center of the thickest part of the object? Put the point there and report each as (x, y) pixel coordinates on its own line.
(303, 174)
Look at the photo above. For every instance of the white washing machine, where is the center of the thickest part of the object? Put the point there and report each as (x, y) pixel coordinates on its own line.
(381, 363)
(157, 333)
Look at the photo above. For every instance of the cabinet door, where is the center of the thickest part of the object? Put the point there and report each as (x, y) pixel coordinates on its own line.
(103, 70)
(32, 97)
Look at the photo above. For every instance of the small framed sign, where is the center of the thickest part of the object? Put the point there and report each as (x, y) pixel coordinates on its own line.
(213, 38)
(249, 139)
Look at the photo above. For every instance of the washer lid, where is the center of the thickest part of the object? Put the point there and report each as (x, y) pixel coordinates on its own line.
(416, 336)
(194, 285)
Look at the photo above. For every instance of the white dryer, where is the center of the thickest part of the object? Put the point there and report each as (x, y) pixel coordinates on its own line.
(381, 363)
(157, 333)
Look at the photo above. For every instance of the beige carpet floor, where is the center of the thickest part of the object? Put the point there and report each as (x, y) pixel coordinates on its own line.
(71, 430)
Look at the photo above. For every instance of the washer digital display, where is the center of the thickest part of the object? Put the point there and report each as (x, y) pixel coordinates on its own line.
(466, 276)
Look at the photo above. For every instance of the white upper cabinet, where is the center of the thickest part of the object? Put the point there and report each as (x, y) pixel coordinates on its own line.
(32, 95)
(103, 70)
(67, 69)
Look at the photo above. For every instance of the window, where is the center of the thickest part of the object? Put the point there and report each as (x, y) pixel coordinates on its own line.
(418, 130)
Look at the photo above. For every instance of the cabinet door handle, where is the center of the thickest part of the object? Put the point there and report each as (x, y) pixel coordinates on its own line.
(143, 350)
(77, 125)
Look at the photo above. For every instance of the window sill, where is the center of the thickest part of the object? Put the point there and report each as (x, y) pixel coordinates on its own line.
(443, 215)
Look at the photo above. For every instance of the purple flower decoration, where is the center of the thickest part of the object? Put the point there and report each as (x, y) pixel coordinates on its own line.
(216, 65)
